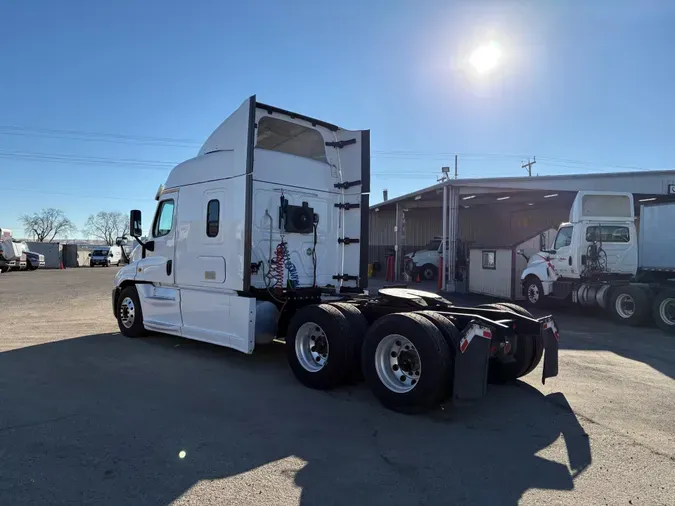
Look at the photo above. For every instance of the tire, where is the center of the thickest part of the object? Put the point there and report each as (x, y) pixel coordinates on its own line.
(528, 353)
(358, 326)
(322, 324)
(452, 338)
(515, 308)
(663, 311)
(428, 272)
(538, 339)
(135, 327)
(393, 332)
(91, 264)
(629, 305)
(534, 292)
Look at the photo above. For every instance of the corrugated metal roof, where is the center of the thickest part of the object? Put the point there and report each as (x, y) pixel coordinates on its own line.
(533, 182)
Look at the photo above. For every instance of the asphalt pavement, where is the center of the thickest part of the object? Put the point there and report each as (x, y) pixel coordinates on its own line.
(90, 417)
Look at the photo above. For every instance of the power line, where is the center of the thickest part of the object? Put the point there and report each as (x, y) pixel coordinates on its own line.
(69, 159)
(83, 195)
(96, 136)
(187, 142)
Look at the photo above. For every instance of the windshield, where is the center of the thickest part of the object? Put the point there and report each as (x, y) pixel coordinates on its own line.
(99, 252)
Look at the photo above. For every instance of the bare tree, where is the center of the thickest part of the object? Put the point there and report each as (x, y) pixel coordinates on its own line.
(107, 226)
(47, 224)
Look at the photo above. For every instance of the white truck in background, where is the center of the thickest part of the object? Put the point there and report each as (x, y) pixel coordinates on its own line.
(602, 258)
(12, 254)
(264, 235)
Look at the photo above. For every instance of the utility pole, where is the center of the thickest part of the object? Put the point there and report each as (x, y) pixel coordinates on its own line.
(529, 165)
(455, 166)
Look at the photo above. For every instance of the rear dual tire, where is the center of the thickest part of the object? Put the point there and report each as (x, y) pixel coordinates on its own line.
(529, 350)
(320, 346)
(326, 344)
(663, 311)
(629, 305)
(406, 362)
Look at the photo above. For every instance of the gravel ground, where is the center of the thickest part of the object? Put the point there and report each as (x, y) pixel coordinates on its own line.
(87, 416)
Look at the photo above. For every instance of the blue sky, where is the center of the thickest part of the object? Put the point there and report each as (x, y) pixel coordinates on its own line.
(576, 83)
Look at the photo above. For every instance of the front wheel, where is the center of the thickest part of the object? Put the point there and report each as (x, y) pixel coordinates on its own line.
(534, 292)
(129, 313)
(429, 272)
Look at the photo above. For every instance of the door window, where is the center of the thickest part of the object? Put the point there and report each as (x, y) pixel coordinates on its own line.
(164, 218)
(564, 238)
(212, 218)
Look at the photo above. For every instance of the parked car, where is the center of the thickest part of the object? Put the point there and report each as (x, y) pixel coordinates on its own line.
(106, 256)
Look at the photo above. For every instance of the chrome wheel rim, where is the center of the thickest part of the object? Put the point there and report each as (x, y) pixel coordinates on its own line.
(428, 274)
(625, 305)
(533, 293)
(667, 311)
(127, 312)
(398, 363)
(311, 347)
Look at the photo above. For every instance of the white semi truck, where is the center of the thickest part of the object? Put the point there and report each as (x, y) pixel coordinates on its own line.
(264, 236)
(602, 258)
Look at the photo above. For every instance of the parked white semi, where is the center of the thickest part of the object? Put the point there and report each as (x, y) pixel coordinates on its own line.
(264, 235)
(600, 259)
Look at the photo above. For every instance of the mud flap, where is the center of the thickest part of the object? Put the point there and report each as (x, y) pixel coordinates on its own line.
(549, 333)
(471, 363)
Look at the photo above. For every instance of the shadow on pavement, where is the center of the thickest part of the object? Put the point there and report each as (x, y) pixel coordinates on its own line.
(101, 420)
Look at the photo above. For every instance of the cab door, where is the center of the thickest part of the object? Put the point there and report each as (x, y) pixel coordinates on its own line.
(159, 295)
(562, 259)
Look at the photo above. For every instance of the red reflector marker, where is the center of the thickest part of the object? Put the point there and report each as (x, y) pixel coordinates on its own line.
(507, 347)
(487, 333)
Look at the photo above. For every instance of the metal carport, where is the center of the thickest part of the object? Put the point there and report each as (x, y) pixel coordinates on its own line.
(505, 210)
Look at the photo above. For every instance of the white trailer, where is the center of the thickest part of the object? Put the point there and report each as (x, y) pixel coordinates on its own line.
(264, 235)
(599, 259)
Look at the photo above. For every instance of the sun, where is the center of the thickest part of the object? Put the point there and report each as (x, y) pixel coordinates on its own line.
(485, 58)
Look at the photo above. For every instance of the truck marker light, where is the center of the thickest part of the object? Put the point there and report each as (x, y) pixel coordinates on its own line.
(487, 334)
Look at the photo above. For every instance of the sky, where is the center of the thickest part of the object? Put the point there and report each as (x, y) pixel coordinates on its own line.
(99, 99)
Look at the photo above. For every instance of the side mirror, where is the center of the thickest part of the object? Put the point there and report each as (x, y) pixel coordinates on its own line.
(135, 227)
(89, 255)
